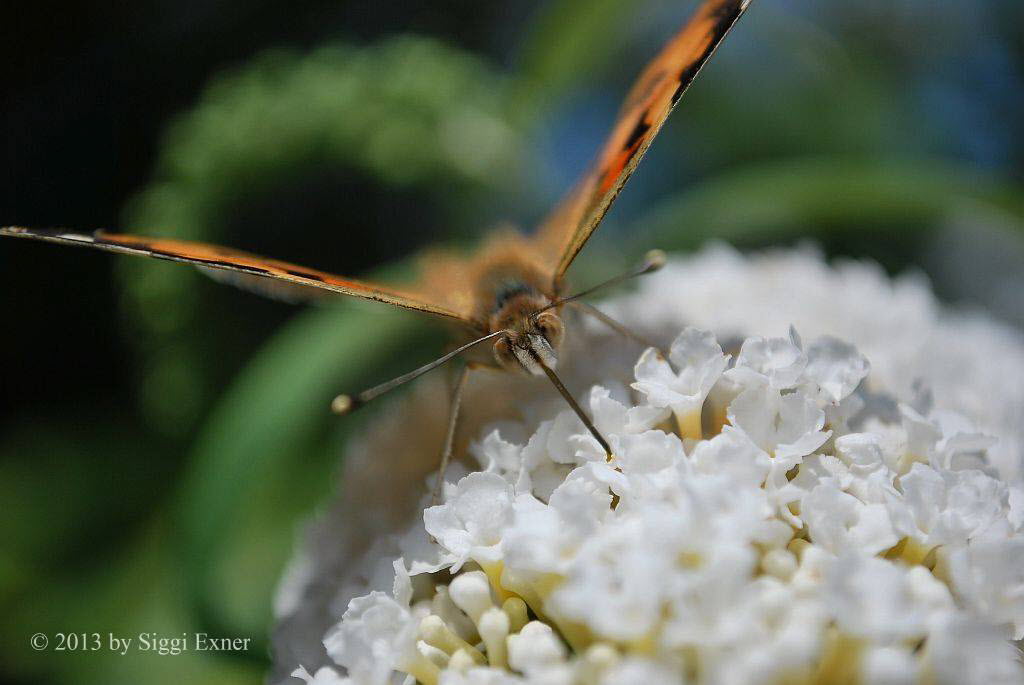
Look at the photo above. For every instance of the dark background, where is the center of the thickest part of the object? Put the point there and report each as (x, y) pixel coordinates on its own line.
(87, 90)
(881, 130)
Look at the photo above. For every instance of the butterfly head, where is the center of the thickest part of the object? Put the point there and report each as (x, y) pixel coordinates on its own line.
(532, 340)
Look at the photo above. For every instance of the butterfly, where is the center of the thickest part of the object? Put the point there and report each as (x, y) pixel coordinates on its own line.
(511, 292)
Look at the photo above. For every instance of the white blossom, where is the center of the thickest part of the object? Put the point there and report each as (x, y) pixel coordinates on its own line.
(377, 634)
(771, 548)
(698, 362)
(800, 514)
(777, 362)
(836, 367)
(989, 577)
(323, 676)
(469, 525)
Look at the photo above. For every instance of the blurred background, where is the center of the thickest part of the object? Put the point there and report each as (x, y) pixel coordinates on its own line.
(162, 437)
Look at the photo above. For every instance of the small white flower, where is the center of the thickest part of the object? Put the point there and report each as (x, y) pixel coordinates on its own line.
(543, 538)
(951, 507)
(469, 525)
(859, 467)
(613, 418)
(732, 452)
(1016, 504)
(640, 670)
(776, 362)
(535, 648)
(839, 521)
(989, 576)
(479, 675)
(325, 675)
(785, 426)
(621, 418)
(964, 650)
(627, 571)
(836, 366)
(648, 464)
(699, 360)
(541, 471)
(875, 600)
(945, 439)
(497, 455)
(891, 665)
(376, 636)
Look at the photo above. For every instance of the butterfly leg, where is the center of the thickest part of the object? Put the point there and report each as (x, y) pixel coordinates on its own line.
(619, 328)
(449, 439)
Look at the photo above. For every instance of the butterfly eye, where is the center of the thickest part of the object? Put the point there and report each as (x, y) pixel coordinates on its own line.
(550, 326)
(504, 355)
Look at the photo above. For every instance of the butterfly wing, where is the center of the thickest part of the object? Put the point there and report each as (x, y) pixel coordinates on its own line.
(239, 268)
(645, 109)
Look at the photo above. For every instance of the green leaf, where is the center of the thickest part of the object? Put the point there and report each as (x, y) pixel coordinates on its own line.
(568, 39)
(409, 112)
(757, 204)
(136, 590)
(261, 461)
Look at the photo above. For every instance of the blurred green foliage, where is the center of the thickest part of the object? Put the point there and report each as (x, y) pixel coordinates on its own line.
(803, 126)
(407, 112)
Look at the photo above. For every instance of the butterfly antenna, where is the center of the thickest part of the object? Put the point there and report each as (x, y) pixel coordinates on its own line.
(557, 382)
(616, 326)
(652, 261)
(343, 404)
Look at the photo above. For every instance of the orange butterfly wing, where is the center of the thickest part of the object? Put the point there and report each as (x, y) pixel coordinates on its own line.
(562, 236)
(645, 109)
(244, 269)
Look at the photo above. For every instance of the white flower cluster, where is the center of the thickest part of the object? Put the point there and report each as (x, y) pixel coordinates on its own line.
(764, 518)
